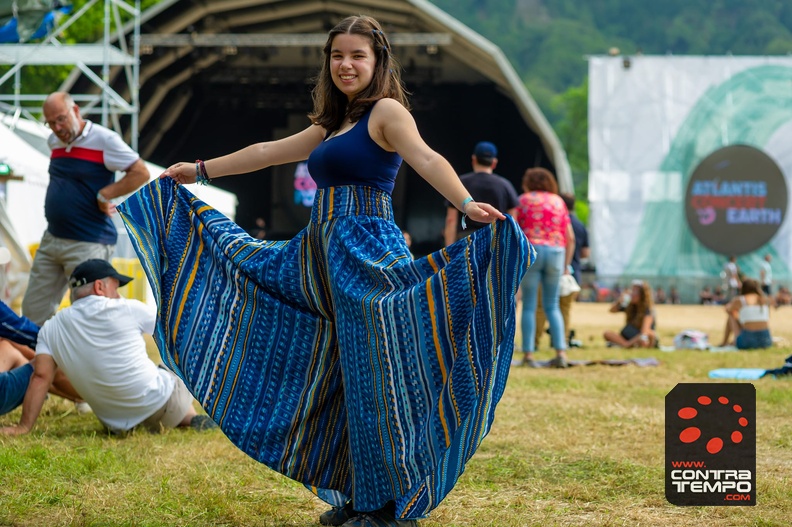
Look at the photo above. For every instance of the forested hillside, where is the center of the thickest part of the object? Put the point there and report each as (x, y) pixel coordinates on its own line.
(547, 42)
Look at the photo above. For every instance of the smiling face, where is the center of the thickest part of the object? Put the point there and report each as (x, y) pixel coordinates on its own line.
(352, 63)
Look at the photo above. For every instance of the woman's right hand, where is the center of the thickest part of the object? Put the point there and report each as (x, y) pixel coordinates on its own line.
(183, 173)
(482, 212)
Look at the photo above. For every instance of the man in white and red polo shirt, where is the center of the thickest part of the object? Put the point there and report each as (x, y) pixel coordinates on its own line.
(85, 157)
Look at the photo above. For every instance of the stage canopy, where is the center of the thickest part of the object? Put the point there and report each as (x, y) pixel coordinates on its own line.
(217, 76)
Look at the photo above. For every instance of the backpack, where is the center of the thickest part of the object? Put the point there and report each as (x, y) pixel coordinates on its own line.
(691, 339)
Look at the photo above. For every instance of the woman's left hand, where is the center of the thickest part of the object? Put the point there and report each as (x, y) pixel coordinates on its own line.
(483, 212)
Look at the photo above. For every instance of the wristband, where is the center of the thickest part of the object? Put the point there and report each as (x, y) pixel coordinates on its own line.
(101, 199)
(464, 214)
(201, 177)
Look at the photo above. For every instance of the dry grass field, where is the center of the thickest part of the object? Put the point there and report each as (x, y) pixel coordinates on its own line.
(575, 447)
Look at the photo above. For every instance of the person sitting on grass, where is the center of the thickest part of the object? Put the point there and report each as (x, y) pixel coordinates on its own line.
(783, 297)
(706, 296)
(16, 369)
(98, 343)
(747, 318)
(18, 337)
(639, 332)
(660, 296)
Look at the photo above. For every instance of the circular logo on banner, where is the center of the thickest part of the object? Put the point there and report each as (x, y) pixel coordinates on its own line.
(736, 200)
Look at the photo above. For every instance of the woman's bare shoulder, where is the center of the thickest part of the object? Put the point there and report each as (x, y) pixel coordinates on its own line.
(388, 108)
(389, 114)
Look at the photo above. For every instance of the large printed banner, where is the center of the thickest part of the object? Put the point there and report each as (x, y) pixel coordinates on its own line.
(690, 163)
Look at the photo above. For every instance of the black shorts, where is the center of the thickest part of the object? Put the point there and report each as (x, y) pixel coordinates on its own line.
(629, 332)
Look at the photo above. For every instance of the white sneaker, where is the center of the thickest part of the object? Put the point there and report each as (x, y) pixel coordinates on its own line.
(83, 408)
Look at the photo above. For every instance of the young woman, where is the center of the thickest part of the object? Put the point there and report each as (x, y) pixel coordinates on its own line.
(637, 305)
(747, 318)
(334, 358)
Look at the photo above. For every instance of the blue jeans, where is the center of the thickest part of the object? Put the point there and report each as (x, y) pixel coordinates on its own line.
(750, 340)
(547, 270)
(13, 385)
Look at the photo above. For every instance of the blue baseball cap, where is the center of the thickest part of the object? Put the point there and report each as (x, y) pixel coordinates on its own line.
(485, 149)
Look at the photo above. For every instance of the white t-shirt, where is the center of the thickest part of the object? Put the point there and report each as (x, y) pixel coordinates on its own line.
(98, 343)
(732, 275)
(768, 272)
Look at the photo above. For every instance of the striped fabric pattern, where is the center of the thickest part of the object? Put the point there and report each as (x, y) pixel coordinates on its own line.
(334, 358)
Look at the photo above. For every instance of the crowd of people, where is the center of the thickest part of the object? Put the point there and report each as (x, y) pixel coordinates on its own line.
(344, 294)
(93, 352)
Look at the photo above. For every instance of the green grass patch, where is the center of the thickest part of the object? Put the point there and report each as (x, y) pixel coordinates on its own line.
(579, 447)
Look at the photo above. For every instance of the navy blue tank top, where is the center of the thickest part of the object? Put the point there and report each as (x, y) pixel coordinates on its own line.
(353, 158)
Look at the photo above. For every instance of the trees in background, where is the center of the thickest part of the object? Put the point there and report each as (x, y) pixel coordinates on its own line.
(547, 42)
(88, 28)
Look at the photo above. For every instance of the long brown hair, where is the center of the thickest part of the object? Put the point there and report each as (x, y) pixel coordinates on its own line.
(331, 106)
(636, 311)
(751, 286)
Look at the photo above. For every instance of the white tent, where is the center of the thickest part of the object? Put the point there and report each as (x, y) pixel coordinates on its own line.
(22, 206)
(22, 221)
(24, 199)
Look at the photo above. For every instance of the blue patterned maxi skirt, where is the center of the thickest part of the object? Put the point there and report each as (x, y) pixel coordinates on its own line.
(334, 358)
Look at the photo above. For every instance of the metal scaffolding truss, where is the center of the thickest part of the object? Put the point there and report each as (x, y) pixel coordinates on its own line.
(108, 103)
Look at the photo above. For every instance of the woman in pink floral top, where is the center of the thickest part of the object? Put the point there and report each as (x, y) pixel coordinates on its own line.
(544, 218)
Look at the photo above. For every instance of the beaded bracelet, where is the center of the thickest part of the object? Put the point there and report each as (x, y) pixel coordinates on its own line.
(201, 177)
(464, 214)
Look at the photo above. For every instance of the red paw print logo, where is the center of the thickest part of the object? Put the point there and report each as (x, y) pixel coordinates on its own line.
(715, 443)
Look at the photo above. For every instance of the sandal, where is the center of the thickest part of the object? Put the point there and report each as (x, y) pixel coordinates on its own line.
(338, 515)
(559, 362)
(380, 518)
